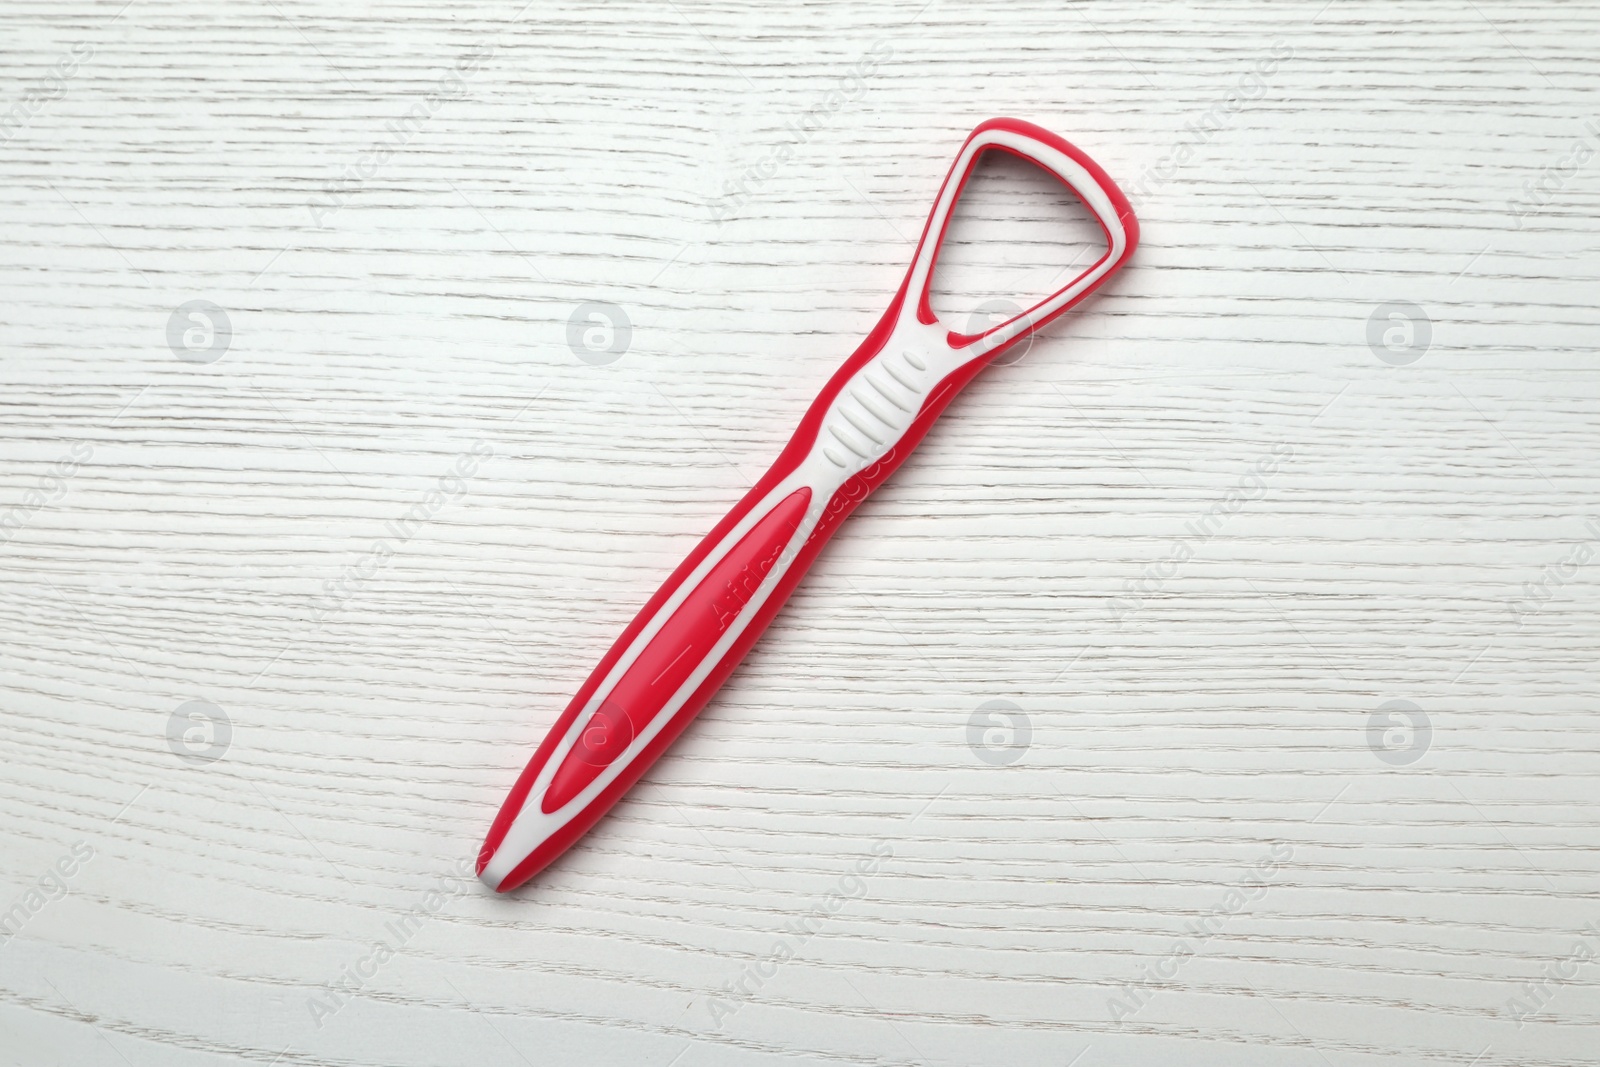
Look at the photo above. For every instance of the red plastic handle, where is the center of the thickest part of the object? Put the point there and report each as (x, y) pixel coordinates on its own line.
(687, 639)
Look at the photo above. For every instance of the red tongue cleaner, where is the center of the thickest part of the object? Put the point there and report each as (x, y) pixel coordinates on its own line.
(711, 610)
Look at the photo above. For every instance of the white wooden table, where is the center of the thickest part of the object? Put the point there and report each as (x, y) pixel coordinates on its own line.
(1279, 554)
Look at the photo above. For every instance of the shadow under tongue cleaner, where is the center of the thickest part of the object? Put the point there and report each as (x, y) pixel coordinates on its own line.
(700, 623)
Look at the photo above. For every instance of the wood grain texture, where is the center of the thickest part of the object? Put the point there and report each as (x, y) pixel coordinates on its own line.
(400, 207)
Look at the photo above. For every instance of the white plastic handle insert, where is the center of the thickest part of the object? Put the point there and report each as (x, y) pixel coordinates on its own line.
(703, 619)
